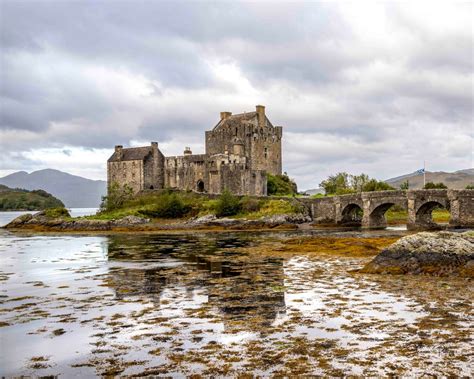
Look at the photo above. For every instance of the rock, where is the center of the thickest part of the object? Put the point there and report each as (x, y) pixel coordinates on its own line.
(20, 220)
(131, 220)
(39, 220)
(440, 254)
(202, 220)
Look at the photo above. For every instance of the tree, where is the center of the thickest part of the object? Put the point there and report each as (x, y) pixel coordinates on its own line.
(470, 186)
(116, 196)
(405, 185)
(376, 185)
(281, 185)
(337, 184)
(344, 183)
(359, 182)
(431, 185)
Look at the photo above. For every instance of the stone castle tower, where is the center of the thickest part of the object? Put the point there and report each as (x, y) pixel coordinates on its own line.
(240, 150)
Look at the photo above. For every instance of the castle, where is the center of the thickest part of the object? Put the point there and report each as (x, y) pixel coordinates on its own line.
(240, 150)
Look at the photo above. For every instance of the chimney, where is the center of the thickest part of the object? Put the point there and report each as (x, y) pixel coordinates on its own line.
(118, 150)
(260, 109)
(154, 148)
(225, 115)
(187, 151)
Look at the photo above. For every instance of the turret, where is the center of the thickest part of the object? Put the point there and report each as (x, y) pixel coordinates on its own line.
(187, 151)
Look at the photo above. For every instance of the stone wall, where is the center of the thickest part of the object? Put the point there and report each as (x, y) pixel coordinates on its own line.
(321, 210)
(184, 172)
(462, 208)
(261, 141)
(130, 173)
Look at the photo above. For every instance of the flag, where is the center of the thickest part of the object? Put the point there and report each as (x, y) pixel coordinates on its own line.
(420, 171)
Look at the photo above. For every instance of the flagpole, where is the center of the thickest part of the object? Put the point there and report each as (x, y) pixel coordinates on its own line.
(424, 174)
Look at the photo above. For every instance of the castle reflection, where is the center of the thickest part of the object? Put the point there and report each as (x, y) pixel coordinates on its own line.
(247, 291)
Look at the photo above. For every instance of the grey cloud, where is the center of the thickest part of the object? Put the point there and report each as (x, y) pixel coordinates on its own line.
(290, 53)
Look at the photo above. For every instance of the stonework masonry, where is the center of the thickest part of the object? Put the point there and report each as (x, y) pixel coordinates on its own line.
(240, 150)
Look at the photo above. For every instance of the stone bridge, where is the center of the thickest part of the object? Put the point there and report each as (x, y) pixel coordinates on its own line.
(368, 208)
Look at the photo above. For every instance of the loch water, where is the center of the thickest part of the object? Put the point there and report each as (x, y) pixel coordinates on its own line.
(221, 304)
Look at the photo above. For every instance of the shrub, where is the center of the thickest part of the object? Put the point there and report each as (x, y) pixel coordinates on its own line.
(470, 186)
(249, 204)
(227, 205)
(56, 212)
(405, 185)
(431, 185)
(168, 205)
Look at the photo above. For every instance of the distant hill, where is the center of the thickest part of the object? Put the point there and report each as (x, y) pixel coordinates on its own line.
(454, 180)
(16, 199)
(74, 191)
(313, 191)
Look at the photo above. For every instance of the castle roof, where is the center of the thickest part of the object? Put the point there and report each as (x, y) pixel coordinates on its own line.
(131, 154)
(238, 119)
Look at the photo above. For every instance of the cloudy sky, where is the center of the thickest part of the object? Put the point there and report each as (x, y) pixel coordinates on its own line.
(367, 87)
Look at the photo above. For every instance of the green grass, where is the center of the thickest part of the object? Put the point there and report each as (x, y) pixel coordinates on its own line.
(400, 217)
(59, 212)
(152, 206)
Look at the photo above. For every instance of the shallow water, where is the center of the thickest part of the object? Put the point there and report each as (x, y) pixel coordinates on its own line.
(220, 303)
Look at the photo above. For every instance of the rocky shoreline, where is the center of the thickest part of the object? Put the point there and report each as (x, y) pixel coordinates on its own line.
(39, 222)
(439, 254)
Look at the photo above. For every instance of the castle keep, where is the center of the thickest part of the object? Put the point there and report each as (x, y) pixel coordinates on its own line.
(240, 150)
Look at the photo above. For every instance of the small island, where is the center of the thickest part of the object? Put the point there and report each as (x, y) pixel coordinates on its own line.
(18, 199)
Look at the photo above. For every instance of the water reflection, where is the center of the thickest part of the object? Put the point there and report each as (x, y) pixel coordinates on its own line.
(185, 305)
(239, 287)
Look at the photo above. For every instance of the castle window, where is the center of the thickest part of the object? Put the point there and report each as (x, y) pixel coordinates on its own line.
(265, 152)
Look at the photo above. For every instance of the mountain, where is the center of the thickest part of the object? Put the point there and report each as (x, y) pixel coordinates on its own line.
(74, 191)
(314, 191)
(455, 180)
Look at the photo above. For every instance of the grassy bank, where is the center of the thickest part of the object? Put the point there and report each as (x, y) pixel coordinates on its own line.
(183, 205)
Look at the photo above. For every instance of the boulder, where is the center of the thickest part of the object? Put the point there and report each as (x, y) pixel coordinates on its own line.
(20, 220)
(131, 220)
(440, 254)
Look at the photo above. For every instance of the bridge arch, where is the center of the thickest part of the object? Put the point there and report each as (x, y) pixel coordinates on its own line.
(376, 207)
(352, 214)
(424, 214)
